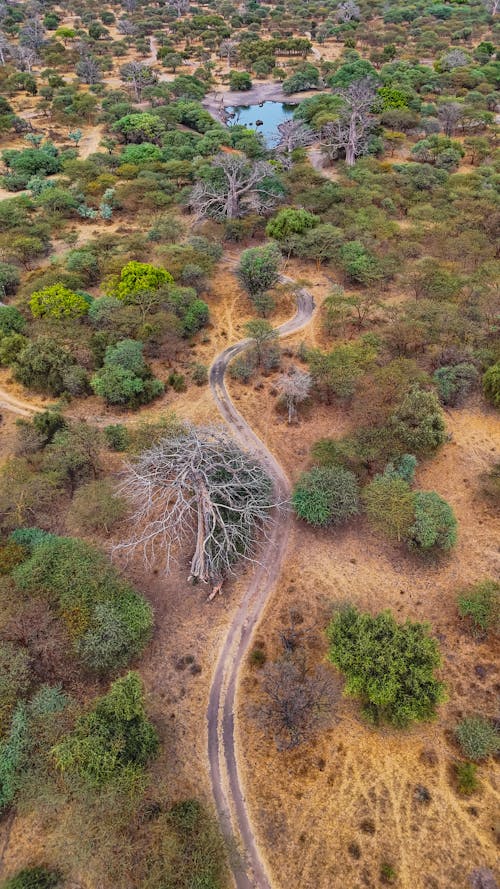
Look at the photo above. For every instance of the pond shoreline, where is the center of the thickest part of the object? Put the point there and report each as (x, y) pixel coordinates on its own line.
(217, 102)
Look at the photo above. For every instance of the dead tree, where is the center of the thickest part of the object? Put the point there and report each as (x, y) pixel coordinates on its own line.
(297, 701)
(350, 132)
(348, 11)
(492, 6)
(24, 57)
(293, 134)
(294, 387)
(483, 878)
(228, 49)
(180, 6)
(198, 484)
(236, 186)
(139, 76)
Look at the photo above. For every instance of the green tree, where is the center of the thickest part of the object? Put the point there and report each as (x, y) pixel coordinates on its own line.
(417, 423)
(326, 496)
(262, 333)
(42, 365)
(58, 302)
(11, 320)
(258, 269)
(240, 81)
(389, 666)
(136, 277)
(290, 221)
(113, 742)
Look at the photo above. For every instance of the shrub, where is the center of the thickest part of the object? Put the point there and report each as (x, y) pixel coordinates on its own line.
(404, 467)
(117, 437)
(481, 604)
(30, 538)
(389, 666)
(240, 81)
(455, 382)
(125, 377)
(467, 782)
(290, 221)
(11, 554)
(491, 384)
(42, 366)
(477, 738)
(326, 496)
(10, 347)
(435, 525)
(11, 320)
(95, 507)
(9, 278)
(58, 302)
(114, 741)
(79, 580)
(15, 679)
(417, 423)
(389, 506)
(490, 484)
(34, 878)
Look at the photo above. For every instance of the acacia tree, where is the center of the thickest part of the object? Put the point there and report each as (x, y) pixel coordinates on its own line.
(294, 386)
(200, 484)
(350, 132)
(233, 186)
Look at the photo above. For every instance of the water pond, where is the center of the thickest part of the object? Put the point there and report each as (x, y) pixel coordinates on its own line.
(264, 118)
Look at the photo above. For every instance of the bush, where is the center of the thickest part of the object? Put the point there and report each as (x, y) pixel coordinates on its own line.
(42, 366)
(30, 538)
(435, 525)
(467, 782)
(417, 424)
(477, 738)
(11, 320)
(108, 621)
(58, 302)
(95, 507)
(125, 377)
(326, 496)
(117, 437)
(11, 554)
(389, 505)
(404, 467)
(455, 382)
(15, 679)
(33, 878)
(9, 278)
(491, 384)
(481, 604)
(389, 666)
(114, 741)
(240, 81)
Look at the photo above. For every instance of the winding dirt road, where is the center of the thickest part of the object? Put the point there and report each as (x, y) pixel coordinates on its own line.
(248, 866)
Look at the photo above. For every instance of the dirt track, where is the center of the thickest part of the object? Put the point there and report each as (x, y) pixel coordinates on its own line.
(249, 867)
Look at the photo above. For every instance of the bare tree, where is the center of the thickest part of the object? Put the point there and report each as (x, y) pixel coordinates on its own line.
(139, 76)
(293, 134)
(180, 6)
(198, 484)
(125, 26)
(294, 386)
(228, 49)
(33, 34)
(88, 70)
(348, 11)
(350, 132)
(5, 49)
(449, 114)
(297, 701)
(24, 57)
(238, 186)
(492, 6)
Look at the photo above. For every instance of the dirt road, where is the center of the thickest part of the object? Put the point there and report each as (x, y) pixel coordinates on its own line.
(248, 866)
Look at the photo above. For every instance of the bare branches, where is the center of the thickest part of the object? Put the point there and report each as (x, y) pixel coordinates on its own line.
(295, 387)
(350, 132)
(293, 134)
(197, 484)
(297, 700)
(238, 186)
